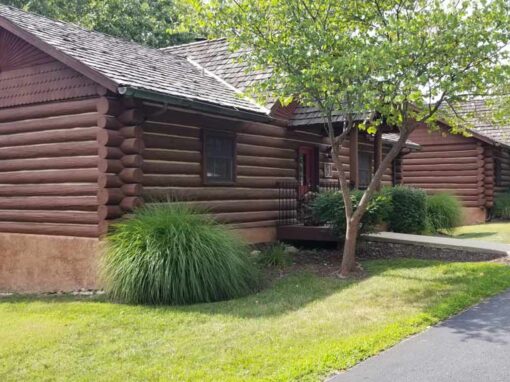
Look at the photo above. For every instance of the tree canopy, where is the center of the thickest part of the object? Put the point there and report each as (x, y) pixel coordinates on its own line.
(397, 63)
(156, 23)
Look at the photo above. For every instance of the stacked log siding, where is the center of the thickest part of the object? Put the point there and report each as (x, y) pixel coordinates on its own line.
(74, 157)
(49, 168)
(450, 163)
(266, 154)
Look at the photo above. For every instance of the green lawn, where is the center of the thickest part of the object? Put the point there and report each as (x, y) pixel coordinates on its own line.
(499, 232)
(302, 328)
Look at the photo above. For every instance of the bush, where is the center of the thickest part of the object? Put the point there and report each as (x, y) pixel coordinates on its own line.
(501, 209)
(444, 212)
(328, 208)
(409, 210)
(170, 254)
(275, 256)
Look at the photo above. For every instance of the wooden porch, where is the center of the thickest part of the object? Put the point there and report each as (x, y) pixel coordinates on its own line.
(295, 221)
(300, 232)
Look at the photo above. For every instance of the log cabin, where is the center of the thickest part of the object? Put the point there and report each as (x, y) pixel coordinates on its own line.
(475, 168)
(92, 127)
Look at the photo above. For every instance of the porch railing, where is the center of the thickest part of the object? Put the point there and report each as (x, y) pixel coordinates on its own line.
(294, 201)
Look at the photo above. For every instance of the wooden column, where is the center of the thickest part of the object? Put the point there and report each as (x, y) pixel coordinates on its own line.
(353, 158)
(378, 152)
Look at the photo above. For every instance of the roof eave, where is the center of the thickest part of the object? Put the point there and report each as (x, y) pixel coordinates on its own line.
(193, 104)
(488, 140)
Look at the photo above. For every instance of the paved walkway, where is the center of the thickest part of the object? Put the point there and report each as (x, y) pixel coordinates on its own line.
(444, 242)
(471, 347)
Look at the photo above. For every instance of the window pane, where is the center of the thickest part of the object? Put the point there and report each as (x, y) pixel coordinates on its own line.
(219, 147)
(219, 158)
(219, 169)
(365, 169)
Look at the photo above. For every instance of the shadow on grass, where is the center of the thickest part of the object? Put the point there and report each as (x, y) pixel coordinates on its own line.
(296, 291)
(291, 293)
(474, 235)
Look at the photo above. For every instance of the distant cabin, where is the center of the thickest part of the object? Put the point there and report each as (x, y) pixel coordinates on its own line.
(474, 168)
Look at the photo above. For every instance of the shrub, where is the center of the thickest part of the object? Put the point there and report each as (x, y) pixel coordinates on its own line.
(444, 212)
(169, 254)
(409, 210)
(328, 208)
(501, 209)
(274, 256)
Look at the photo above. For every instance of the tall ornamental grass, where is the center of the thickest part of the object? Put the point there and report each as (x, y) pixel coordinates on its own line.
(444, 212)
(170, 254)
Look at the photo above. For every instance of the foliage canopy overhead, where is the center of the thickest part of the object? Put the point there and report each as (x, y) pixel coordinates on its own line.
(357, 55)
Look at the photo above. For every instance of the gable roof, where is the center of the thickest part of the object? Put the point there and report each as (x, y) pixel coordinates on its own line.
(118, 65)
(479, 114)
(216, 56)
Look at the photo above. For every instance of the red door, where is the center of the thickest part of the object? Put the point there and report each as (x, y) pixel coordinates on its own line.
(307, 169)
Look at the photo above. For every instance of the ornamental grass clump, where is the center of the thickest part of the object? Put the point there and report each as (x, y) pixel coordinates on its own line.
(444, 213)
(171, 254)
(275, 256)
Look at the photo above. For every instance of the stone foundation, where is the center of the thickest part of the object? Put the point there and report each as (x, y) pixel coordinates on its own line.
(40, 263)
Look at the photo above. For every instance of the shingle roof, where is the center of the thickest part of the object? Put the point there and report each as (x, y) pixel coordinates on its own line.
(479, 114)
(306, 115)
(130, 64)
(216, 56)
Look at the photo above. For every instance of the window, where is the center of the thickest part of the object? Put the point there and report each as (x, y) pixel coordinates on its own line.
(219, 157)
(364, 169)
(395, 168)
(328, 170)
(497, 172)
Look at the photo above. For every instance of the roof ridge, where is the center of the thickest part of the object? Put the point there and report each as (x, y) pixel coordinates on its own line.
(193, 43)
(221, 80)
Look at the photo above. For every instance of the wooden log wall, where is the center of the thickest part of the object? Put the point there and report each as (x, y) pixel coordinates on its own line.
(49, 168)
(266, 154)
(503, 156)
(448, 163)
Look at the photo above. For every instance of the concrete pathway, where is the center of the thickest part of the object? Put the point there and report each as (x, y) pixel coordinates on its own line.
(471, 347)
(443, 242)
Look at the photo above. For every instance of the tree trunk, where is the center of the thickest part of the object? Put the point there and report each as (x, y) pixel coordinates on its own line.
(349, 252)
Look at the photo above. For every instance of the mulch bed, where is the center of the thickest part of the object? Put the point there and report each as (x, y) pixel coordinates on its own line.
(321, 262)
